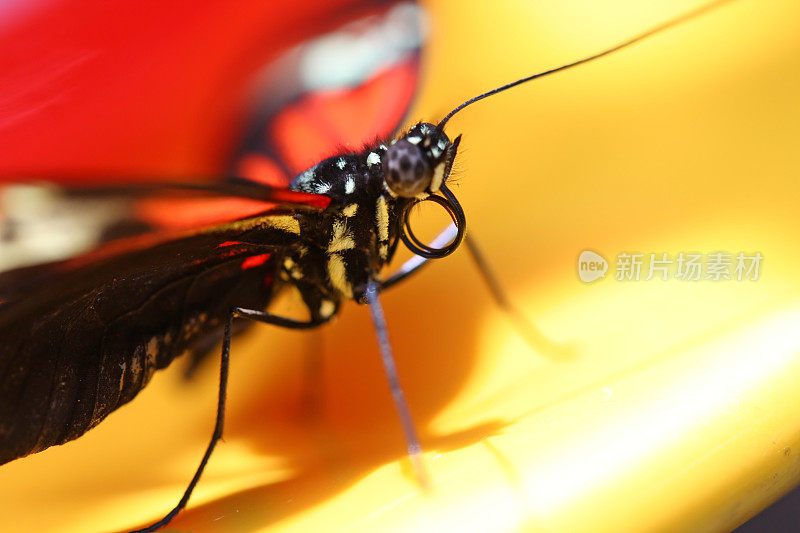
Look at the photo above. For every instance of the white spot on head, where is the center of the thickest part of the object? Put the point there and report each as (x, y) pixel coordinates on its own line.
(382, 218)
(326, 308)
(322, 187)
(424, 129)
(442, 144)
(350, 210)
(438, 176)
(373, 159)
(341, 162)
(414, 139)
(349, 185)
(435, 152)
(383, 147)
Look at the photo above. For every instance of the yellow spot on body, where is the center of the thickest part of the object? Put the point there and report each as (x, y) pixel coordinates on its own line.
(326, 308)
(383, 250)
(342, 239)
(438, 176)
(339, 245)
(350, 210)
(339, 228)
(290, 266)
(382, 219)
(284, 222)
(338, 275)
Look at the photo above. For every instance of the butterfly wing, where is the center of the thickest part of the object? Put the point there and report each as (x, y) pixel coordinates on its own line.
(334, 93)
(135, 90)
(87, 341)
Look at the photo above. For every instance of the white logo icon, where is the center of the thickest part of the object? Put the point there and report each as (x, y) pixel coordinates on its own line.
(591, 266)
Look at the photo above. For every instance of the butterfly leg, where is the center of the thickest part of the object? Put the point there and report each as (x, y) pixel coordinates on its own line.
(413, 265)
(528, 330)
(533, 335)
(416, 263)
(412, 441)
(236, 312)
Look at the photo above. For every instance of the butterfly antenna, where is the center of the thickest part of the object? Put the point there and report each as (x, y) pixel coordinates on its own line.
(633, 40)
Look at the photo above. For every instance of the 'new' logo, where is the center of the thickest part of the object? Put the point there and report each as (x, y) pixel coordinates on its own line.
(591, 266)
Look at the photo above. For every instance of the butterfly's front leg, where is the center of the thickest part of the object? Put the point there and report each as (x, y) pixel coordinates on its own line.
(236, 312)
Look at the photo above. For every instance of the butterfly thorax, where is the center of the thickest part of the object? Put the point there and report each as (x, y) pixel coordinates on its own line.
(357, 235)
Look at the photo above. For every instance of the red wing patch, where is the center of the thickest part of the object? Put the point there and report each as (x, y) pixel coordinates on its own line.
(334, 93)
(255, 261)
(323, 122)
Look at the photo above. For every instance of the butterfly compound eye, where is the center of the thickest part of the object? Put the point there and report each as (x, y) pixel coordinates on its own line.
(406, 169)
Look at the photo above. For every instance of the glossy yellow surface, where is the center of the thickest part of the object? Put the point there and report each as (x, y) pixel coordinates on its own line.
(647, 406)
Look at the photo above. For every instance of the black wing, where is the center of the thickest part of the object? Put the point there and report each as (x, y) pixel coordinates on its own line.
(75, 348)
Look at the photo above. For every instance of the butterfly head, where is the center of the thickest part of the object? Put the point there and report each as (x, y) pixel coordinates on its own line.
(417, 164)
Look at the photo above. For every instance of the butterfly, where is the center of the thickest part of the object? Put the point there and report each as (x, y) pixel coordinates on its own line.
(315, 184)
